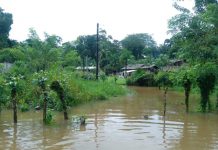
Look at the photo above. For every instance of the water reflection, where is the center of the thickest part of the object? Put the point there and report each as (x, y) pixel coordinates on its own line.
(15, 137)
(164, 132)
(116, 124)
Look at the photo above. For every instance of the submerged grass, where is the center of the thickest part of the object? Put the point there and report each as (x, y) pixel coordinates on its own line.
(79, 90)
(87, 90)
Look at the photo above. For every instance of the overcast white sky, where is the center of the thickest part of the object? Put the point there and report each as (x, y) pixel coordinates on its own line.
(71, 18)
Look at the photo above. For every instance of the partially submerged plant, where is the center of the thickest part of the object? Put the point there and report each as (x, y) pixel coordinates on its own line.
(79, 119)
(13, 83)
(55, 85)
(49, 117)
(41, 82)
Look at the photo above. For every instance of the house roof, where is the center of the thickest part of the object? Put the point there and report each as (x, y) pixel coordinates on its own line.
(139, 66)
(87, 67)
(133, 66)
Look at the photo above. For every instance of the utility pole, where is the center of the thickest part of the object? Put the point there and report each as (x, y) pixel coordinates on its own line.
(97, 51)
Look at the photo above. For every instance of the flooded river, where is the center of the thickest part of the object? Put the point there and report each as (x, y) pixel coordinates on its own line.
(116, 124)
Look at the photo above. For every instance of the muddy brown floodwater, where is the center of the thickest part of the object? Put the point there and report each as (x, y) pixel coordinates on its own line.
(116, 124)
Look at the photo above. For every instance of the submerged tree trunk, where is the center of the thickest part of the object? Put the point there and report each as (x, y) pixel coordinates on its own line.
(43, 86)
(164, 130)
(187, 101)
(187, 87)
(60, 92)
(64, 105)
(45, 105)
(206, 83)
(13, 96)
(204, 100)
(165, 100)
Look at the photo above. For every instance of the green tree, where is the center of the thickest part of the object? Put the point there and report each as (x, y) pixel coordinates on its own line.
(185, 77)
(124, 57)
(68, 46)
(71, 58)
(86, 47)
(162, 60)
(40, 55)
(11, 55)
(206, 80)
(14, 84)
(109, 53)
(138, 44)
(109, 50)
(195, 36)
(5, 26)
(42, 80)
(201, 5)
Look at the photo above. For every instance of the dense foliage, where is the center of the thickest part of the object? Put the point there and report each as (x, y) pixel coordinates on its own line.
(195, 40)
(141, 78)
(5, 27)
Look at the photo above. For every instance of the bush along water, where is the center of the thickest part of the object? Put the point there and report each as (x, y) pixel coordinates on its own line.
(41, 82)
(55, 85)
(141, 78)
(206, 82)
(185, 77)
(56, 89)
(14, 83)
(49, 117)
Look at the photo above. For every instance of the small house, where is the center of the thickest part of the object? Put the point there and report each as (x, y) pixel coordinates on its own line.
(129, 69)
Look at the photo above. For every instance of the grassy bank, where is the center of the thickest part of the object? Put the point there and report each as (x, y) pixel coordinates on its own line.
(77, 90)
(87, 90)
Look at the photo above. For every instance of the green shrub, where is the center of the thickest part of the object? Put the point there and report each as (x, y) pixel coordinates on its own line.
(49, 117)
(24, 107)
(141, 78)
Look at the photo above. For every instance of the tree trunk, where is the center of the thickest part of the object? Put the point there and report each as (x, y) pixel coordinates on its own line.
(187, 101)
(216, 100)
(13, 96)
(209, 105)
(83, 60)
(64, 105)
(165, 100)
(204, 100)
(187, 87)
(45, 105)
